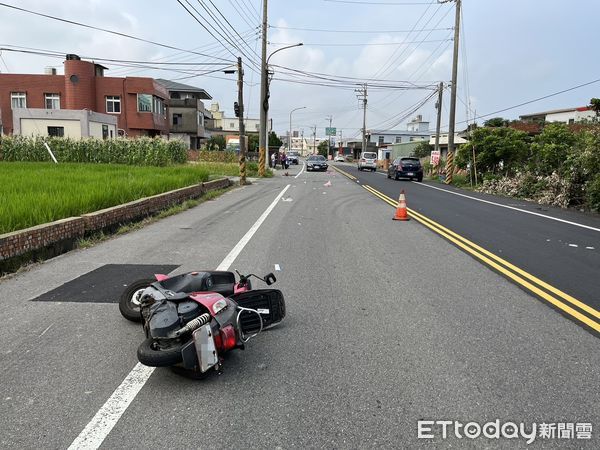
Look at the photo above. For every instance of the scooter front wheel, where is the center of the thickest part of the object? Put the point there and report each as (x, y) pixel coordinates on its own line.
(150, 355)
(129, 302)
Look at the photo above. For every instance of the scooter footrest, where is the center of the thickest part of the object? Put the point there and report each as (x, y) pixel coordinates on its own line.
(268, 302)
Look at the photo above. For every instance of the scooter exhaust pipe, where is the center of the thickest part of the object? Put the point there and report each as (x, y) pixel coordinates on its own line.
(192, 325)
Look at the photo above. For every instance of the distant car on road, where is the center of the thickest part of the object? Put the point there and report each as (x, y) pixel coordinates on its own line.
(368, 160)
(293, 157)
(316, 162)
(339, 158)
(406, 168)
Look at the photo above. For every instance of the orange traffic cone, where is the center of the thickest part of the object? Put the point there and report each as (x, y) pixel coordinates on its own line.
(401, 209)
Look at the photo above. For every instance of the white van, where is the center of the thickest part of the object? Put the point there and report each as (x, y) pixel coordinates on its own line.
(368, 160)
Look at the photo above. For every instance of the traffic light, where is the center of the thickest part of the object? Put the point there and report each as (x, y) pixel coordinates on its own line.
(236, 109)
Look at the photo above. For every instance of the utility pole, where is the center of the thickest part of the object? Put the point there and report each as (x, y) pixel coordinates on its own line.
(452, 121)
(240, 72)
(264, 98)
(314, 139)
(330, 117)
(438, 105)
(474, 155)
(362, 96)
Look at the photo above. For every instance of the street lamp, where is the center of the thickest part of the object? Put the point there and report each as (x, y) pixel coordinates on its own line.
(283, 48)
(290, 135)
(264, 107)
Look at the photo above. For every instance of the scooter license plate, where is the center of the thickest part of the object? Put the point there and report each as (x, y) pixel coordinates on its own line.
(205, 347)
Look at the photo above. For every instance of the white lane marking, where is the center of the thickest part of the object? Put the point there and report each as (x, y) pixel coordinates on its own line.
(301, 170)
(573, 245)
(46, 330)
(233, 254)
(510, 207)
(277, 267)
(106, 418)
(589, 248)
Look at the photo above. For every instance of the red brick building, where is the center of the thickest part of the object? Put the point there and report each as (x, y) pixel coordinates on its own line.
(140, 104)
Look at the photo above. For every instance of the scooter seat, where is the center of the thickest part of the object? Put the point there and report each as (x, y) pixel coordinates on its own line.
(221, 282)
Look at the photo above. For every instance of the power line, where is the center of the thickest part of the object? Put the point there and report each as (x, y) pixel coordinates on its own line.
(4, 62)
(204, 26)
(254, 8)
(395, 97)
(230, 26)
(243, 6)
(227, 38)
(72, 22)
(385, 65)
(327, 76)
(323, 30)
(535, 100)
(399, 117)
(124, 63)
(363, 44)
(243, 16)
(187, 57)
(391, 65)
(379, 3)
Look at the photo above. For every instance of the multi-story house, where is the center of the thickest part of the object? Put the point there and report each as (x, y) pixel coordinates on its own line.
(139, 104)
(416, 130)
(224, 125)
(188, 118)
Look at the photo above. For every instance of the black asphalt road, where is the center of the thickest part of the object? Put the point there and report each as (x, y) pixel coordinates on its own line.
(561, 254)
(387, 324)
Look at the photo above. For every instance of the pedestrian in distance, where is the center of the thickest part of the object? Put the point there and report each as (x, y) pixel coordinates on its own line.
(273, 160)
(284, 164)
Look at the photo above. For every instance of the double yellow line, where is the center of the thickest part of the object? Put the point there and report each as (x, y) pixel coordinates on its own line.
(561, 300)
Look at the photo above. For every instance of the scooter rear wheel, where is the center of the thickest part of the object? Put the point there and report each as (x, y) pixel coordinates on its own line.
(129, 303)
(151, 356)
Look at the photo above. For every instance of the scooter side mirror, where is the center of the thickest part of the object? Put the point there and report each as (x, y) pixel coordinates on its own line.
(270, 279)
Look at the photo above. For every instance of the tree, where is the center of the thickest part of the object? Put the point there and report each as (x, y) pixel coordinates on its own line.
(495, 122)
(252, 142)
(422, 149)
(595, 105)
(323, 148)
(498, 150)
(550, 149)
(274, 140)
(216, 143)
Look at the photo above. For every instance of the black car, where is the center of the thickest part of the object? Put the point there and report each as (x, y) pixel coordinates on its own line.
(316, 162)
(406, 168)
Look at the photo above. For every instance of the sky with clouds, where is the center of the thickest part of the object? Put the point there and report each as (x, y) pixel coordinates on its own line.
(512, 51)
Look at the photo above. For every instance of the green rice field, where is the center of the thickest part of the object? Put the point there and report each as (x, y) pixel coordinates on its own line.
(36, 193)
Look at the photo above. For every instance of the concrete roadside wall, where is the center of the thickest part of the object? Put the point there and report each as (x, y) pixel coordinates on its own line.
(61, 235)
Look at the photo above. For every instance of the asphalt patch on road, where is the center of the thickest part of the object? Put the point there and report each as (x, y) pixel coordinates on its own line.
(104, 284)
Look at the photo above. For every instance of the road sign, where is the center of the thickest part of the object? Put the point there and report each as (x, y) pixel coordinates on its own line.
(435, 157)
(330, 131)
